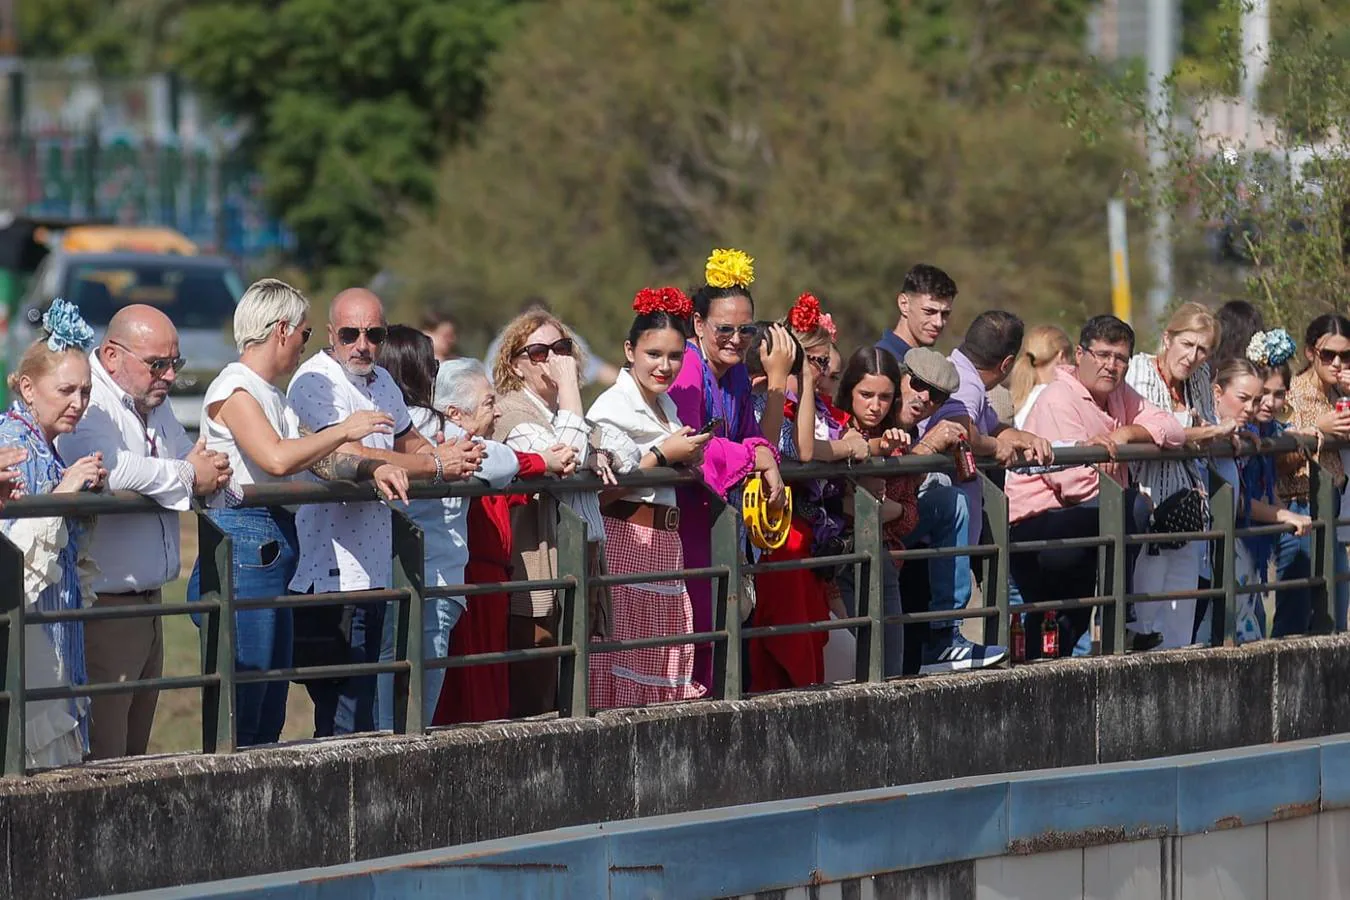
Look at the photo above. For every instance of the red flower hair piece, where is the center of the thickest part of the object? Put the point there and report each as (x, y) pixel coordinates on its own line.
(805, 314)
(669, 300)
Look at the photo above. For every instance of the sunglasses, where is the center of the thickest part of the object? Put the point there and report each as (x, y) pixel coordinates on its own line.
(935, 395)
(1330, 356)
(160, 364)
(375, 335)
(726, 331)
(539, 352)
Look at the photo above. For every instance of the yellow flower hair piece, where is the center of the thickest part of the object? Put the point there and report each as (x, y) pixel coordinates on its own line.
(729, 268)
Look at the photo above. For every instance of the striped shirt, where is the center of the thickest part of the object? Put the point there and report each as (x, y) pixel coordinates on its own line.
(1161, 479)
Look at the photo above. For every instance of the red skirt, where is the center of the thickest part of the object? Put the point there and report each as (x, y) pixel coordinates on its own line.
(789, 598)
(478, 693)
(654, 609)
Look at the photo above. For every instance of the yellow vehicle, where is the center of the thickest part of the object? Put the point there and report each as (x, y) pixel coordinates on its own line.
(122, 239)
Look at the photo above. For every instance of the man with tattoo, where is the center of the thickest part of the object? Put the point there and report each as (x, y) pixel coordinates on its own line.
(348, 546)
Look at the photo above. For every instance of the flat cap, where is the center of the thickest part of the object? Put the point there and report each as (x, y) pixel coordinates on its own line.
(934, 368)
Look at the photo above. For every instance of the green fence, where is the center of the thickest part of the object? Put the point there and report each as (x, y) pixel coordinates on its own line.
(991, 562)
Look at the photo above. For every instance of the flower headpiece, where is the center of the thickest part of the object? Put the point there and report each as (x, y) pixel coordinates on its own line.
(66, 328)
(827, 322)
(670, 300)
(729, 268)
(804, 316)
(1270, 348)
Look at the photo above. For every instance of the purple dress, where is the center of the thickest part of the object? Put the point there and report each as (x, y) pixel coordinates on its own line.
(727, 459)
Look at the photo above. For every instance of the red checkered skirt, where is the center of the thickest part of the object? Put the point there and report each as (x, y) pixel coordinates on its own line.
(652, 609)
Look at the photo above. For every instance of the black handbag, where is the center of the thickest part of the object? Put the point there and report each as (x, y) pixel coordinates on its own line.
(1185, 511)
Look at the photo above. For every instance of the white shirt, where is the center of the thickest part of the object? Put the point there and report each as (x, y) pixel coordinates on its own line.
(443, 522)
(634, 428)
(345, 546)
(1020, 417)
(239, 377)
(137, 552)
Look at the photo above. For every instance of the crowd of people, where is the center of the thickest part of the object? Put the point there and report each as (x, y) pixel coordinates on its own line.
(706, 385)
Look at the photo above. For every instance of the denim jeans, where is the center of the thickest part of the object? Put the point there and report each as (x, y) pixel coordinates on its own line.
(336, 636)
(1293, 559)
(944, 521)
(265, 555)
(439, 617)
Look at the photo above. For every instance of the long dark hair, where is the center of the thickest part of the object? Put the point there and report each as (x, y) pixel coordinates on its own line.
(410, 358)
(1238, 321)
(864, 362)
(1323, 325)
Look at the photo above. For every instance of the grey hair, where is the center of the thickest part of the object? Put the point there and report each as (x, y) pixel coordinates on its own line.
(456, 384)
(266, 302)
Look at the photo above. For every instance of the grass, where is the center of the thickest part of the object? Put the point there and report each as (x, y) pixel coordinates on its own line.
(178, 718)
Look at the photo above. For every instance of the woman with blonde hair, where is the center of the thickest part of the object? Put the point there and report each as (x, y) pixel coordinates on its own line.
(1044, 349)
(51, 387)
(537, 374)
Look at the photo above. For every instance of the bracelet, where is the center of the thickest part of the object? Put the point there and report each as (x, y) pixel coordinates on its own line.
(440, 469)
(660, 457)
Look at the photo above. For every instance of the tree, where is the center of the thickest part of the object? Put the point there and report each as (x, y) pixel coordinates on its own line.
(350, 102)
(625, 140)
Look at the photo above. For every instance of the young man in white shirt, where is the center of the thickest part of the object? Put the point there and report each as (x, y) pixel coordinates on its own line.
(147, 451)
(348, 546)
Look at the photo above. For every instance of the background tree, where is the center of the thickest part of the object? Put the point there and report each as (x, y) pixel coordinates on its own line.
(625, 140)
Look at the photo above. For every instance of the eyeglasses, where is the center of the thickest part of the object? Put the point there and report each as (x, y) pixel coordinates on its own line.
(727, 331)
(375, 335)
(157, 365)
(539, 352)
(920, 386)
(822, 363)
(1330, 356)
(1107, 358)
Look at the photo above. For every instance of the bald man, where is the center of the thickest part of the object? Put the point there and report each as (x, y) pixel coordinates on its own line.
(349, 546)
(147, 451)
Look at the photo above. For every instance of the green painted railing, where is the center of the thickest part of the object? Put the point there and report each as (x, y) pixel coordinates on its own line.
(218, 602)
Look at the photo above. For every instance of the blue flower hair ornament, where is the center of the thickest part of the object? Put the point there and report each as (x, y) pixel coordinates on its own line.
(66, 328)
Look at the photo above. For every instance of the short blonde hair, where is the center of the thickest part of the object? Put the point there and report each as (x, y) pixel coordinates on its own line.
(514, 338)
(38, 360)
(1194, 317)
(267, 302)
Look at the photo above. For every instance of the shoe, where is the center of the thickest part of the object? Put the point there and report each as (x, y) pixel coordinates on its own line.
(958, 653)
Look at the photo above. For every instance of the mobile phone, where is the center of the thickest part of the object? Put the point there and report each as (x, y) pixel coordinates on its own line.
(712, 425)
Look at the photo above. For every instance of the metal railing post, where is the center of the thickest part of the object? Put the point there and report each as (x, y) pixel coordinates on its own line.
(726, 552)
(1322, 499)
(12, 605)
(1223, 616)
(1112, 561)
(410, 576)
(997, 568)
(871, 598)
(216, 554)
(576, 630)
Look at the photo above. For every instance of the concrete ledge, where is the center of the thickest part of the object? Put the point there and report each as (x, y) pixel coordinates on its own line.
(147, 823)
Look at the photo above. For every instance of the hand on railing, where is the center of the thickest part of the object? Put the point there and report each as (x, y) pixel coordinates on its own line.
(460, 458)
(560, 459)
(391, 482)
(1301, 523)
(210, 470)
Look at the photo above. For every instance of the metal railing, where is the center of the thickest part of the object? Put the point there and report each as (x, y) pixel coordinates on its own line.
(991, 560)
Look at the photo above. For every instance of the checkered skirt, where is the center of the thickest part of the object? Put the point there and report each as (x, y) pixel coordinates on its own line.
(651, 609)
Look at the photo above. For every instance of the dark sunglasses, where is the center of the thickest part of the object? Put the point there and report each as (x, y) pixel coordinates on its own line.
(160, 364)
(304, 335)
(539, 352)
(1330, 356)
(375, 335)
(918, 385)
(726, 331)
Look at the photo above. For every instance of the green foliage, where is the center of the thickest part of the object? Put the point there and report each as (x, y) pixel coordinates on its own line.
(624, 141)
(351, 101)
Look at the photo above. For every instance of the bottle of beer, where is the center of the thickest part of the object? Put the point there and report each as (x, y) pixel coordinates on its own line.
(1017, 637)
(1050, 636)
(965, 461)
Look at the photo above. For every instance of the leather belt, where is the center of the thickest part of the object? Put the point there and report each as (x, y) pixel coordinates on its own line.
(648, 515)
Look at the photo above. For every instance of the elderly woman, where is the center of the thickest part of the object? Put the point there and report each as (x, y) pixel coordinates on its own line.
(52, 384)
(1177, 381)
(539, 403)
(245, 417)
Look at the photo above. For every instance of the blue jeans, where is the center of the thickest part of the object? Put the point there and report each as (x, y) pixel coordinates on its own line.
(944, 521)
(265, 555)
(439, 617)
(1293, 559)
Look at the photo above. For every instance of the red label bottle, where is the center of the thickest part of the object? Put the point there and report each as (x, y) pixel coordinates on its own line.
(1050, 636)
(965, 461)
(1017, 637)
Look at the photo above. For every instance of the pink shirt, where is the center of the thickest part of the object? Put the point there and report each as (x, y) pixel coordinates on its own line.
(1065, 411)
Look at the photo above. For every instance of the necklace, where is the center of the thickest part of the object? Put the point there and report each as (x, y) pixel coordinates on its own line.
(1177, 395)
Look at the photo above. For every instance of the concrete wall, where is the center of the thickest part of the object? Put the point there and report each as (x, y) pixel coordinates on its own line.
(1267, 823)
(187, 819)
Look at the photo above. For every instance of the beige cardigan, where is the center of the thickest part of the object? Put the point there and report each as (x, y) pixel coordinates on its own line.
(534, 525)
